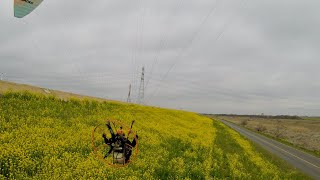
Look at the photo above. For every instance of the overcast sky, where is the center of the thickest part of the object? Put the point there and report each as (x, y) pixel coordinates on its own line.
(212, 56)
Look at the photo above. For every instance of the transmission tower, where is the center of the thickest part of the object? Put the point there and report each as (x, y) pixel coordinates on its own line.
(141, 88)
(129, 94)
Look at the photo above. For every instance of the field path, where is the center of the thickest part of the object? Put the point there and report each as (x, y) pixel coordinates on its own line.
(305, 162)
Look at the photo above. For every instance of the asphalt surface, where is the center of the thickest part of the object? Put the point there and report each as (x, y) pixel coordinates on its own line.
(307, 163)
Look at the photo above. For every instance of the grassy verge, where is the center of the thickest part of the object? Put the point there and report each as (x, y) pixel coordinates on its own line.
(315, 153)
(241, 159)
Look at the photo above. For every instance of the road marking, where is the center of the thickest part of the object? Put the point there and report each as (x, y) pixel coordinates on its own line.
(283, 150)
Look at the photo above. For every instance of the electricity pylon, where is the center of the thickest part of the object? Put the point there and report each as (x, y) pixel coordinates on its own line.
(141, 88)
(129, 94)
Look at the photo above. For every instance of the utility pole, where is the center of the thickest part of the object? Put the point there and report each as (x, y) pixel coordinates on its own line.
(141, 88)
(129, 95)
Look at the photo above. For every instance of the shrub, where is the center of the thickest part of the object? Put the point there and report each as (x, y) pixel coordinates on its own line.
(261, 128)
(244, 122)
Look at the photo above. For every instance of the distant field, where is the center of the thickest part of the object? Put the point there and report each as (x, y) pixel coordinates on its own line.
(312, 118)
(303, 133)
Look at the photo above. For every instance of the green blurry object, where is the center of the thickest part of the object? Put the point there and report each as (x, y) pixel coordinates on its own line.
(24, 7)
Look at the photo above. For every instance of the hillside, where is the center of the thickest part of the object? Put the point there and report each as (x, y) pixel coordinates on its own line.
(6, 86)
(43, 136)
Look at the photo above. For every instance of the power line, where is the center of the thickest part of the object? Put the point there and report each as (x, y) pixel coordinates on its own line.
(163, 40)
(242, 4)
(187, 45)
(134, 49)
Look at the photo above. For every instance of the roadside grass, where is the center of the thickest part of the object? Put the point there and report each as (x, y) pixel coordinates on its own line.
(291, 131)
(241, 159)
(315, 153)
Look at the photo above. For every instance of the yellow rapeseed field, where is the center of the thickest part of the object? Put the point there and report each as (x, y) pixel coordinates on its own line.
(49, 138)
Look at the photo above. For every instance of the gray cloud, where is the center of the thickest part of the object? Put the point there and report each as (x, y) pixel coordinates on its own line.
(248, 57)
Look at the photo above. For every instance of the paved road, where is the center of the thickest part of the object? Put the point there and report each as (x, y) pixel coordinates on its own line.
(305, 162)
